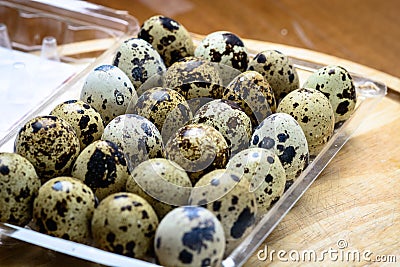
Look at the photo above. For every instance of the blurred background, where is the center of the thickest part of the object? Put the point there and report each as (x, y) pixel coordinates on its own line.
(363, 31)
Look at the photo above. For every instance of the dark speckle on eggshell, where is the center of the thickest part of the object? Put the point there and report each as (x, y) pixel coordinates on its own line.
(196, 238)
(245, 220)
(102, 166)
(185, 257)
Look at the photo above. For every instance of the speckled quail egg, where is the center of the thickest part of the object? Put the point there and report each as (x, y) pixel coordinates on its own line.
(109, 90)
(198, 149)
(223, 47)
(336, 83)
(277, 70)
(19, 185)
(50, 144)
(138, 138)
(263, 170)
(163, 183)
(170, 38)
(102, 166)
(229, 119)
(253, 94)
(313, 111)
(164, 107)
(282, 134)
(228, 197)
(194, 78)
(190, 236)
(64, 208)
(125, 223)
(139, 60)
(86, 121)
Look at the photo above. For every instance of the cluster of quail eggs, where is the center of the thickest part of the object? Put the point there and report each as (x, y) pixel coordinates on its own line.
(173, 151)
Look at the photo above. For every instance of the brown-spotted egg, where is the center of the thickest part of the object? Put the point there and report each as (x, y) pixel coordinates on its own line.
(223, 47)
(162, 182)
(337, 85)
(253, 94)
(225, 194)
(190, 236)
(124, 223)
(139, 60)
(276, 68)
(265, 174)
(193, 78)
(86, 121)
(50, 144)
(64, 208)
(19, 185)
(164, 107)
(281, 134)
(229, 119)
(138, 138)
(313, 111)
(170, 38)
(198, 149)
(108, 90)
(102, 167)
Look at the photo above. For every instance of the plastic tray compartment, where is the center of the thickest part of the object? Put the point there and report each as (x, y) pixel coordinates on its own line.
(84, 33)
(369, 94)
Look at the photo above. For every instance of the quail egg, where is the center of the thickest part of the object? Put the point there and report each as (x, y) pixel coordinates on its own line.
(138, 138)
(50, 144)
(229, 119)
(139, 60)
(170, 38)
(263, 170)
(194, 78)
(64, 208)
(190, 236)
(198, 149)
(124, 223)
(86, 121)
(276, 68)
(282, 134)
(313, 111)
(102, 166)
(163, 183)
(223, 47)
(19, 185)
(164, 107)
(108, 90)
(253, 94)
(228, 197)
(337, 85)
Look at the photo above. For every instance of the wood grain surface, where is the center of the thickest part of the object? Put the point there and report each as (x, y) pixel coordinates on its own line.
(362, 31)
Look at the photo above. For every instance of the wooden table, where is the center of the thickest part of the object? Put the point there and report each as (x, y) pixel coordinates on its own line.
(356, 201)
(363, 31)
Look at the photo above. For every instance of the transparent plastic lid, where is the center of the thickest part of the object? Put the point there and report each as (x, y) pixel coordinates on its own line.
(38, 37)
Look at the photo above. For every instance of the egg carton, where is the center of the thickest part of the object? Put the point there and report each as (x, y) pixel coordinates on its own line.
(369, 93)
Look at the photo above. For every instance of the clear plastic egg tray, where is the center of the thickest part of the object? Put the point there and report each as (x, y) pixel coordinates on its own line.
(98, 19)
